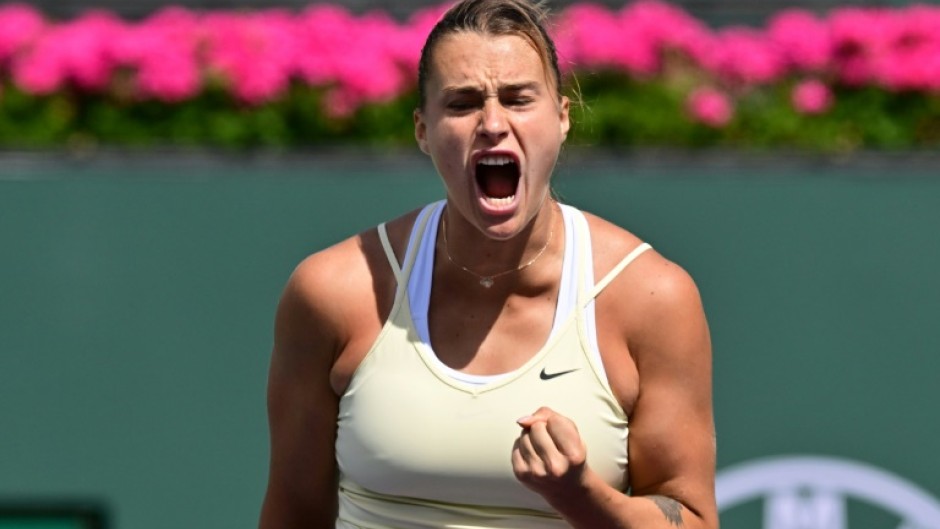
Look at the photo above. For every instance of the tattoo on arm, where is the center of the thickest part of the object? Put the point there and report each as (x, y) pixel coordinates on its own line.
(671, 509)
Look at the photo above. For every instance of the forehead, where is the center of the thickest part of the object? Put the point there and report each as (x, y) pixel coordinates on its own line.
(469, 58)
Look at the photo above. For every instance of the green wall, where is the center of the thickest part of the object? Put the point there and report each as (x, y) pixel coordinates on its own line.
(136, 303)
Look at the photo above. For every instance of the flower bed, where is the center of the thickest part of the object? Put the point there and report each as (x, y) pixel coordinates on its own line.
(648, 74)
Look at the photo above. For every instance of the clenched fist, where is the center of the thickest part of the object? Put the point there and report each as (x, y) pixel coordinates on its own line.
(549, 456)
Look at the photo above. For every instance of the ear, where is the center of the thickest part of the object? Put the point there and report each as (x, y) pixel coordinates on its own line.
(421, 131)
(563, 115)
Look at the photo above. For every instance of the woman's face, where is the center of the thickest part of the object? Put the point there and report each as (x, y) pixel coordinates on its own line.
(493, 125)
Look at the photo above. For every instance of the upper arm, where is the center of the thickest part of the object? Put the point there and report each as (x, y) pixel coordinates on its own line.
(302, 407)
(672, 435)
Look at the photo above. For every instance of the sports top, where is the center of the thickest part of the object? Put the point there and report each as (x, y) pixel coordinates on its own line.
(418, 447)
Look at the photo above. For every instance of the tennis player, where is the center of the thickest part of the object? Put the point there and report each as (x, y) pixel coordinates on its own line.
(496, 359)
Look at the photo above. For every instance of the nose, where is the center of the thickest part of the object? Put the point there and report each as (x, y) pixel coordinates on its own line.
(493, 122)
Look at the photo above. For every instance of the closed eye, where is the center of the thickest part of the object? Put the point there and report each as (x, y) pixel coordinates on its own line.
(461, 106)
(518, 101)
(463, 101)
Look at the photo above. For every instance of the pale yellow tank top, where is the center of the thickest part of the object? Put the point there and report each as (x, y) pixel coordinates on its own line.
(418, 449)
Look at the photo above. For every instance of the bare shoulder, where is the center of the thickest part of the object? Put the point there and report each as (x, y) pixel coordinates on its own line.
(306, 320)
(332, 307)
(652, 293)
(341, 290)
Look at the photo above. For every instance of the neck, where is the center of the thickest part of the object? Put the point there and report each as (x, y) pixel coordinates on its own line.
(477, 257)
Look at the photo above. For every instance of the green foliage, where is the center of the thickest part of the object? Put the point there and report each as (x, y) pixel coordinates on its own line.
(619, 111)
(609, 109)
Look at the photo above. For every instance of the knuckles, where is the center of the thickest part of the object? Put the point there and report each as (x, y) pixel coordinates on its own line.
(545, 469)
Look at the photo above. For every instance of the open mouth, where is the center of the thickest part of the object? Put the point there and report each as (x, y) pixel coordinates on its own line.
(497, 177)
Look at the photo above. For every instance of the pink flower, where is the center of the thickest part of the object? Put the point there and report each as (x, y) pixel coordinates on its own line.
(910, 57)
(43, 69)
(710, 107)
(743, 55)
(916, 68)
(163, 50)
(354, 56)
(633, 39)
(590, 36)
(372, 58)
(87, 43)
(369, 68)
(803, 39)
(78, 51)
(324, 35)
(407, 47)
(172, 78)
(811, 97)
(663, 26)
(858, 35)
(20, 24)
(861, 28)
(921, 24)
(638, 48)
(172, 27)
(253, 52)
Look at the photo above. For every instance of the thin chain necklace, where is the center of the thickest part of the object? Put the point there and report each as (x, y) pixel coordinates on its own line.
(488, 280)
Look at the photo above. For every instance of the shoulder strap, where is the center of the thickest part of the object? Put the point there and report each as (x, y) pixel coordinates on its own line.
(389, 252)
(619, 268)
(583, 258)
(412, 252)
(414, 246)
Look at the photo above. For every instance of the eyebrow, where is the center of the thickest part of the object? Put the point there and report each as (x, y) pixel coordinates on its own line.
(473, 89)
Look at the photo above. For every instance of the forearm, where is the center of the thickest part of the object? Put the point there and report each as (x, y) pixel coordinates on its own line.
(599, 506)
(275, 518)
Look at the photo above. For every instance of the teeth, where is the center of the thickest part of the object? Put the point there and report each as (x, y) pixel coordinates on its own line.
(496, 159)
(501, 201)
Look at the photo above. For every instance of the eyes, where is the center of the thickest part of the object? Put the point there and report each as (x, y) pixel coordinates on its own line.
(463, 102)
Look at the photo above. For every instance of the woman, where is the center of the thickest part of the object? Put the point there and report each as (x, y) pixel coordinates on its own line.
(460, 366)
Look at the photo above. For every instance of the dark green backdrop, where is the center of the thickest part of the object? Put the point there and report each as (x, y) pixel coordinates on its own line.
(136, 302)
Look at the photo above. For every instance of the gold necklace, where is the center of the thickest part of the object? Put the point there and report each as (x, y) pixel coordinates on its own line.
(487, 281)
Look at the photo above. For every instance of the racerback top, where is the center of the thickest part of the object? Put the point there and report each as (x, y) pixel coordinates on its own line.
(418, 448)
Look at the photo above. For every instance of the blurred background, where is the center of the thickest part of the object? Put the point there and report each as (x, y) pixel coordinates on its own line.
(163, 167)
(718, 10)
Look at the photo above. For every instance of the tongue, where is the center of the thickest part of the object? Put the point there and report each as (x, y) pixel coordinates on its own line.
(497, 181)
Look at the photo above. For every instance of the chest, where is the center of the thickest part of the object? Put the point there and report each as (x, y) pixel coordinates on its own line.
(483, 337)
(406, 429)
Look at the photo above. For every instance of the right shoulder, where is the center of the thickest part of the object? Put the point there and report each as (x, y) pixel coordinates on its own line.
(335, 292)
(332, 308)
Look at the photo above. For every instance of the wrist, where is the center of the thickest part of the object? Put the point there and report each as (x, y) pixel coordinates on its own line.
(579, 493)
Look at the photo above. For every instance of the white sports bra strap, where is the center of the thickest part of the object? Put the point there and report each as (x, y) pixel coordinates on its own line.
(619, 268)
(420, 225)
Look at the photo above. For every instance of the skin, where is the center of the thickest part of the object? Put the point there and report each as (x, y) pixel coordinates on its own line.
(490, 93)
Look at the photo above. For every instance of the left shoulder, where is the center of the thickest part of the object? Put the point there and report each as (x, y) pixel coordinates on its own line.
(652, 290)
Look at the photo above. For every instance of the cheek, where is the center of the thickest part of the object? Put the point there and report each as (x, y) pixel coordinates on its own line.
(545, 136)
(446, 158)
(543, 148)
(445, 139)
(447, 146)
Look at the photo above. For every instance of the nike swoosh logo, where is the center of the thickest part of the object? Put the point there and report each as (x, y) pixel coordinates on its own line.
(548, 376)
